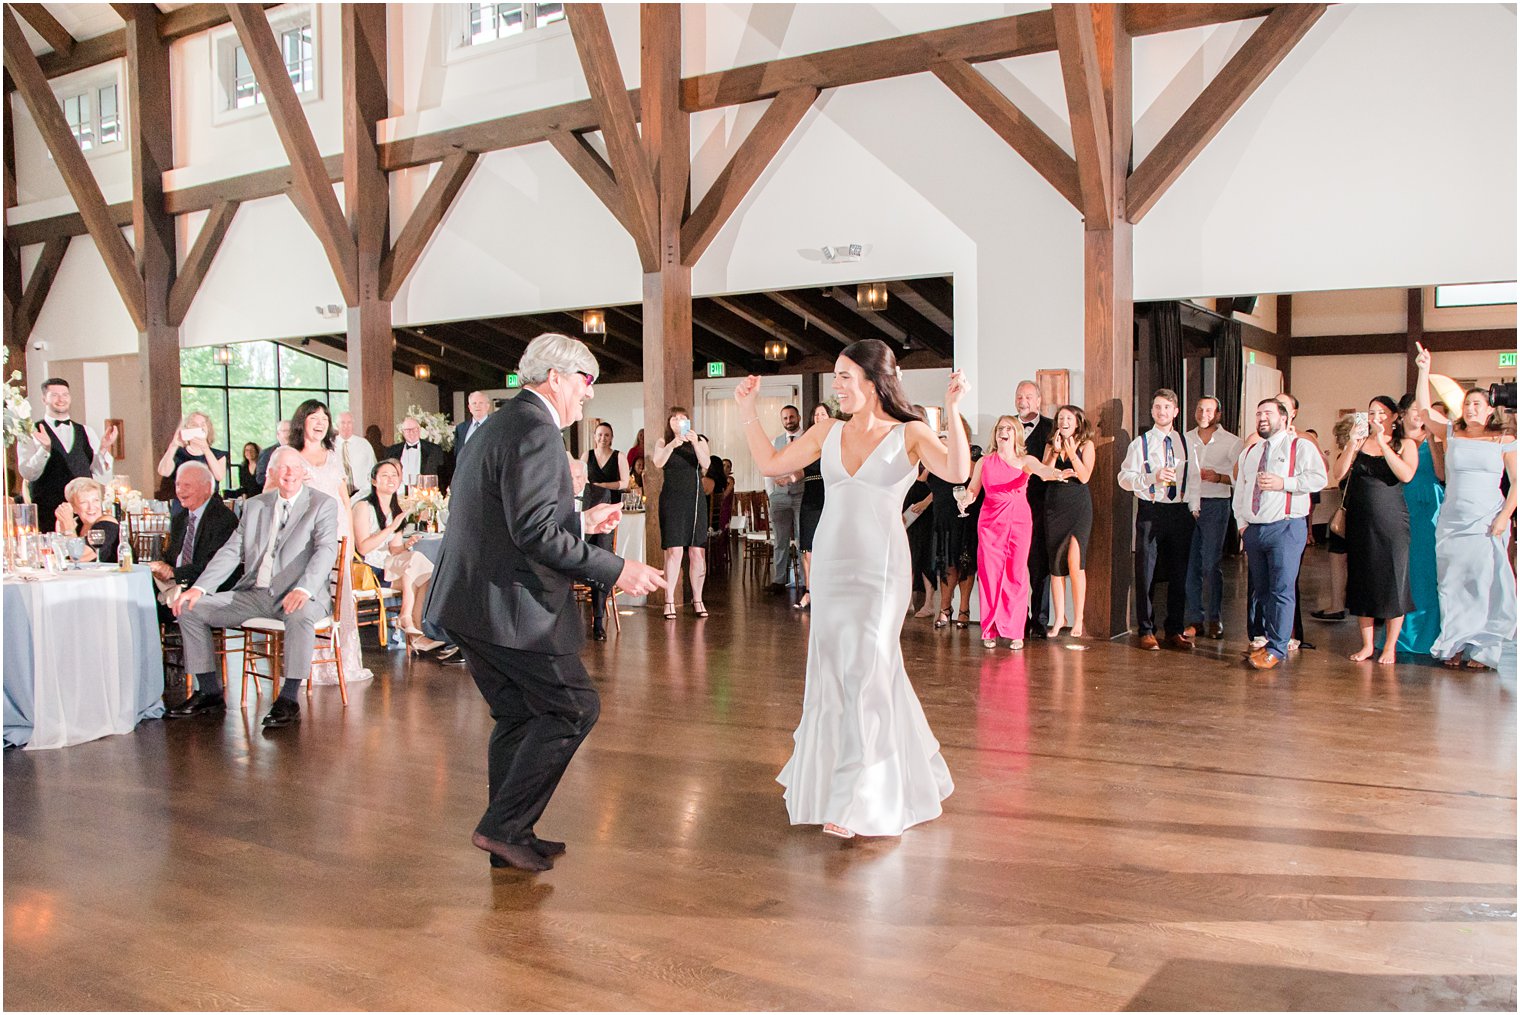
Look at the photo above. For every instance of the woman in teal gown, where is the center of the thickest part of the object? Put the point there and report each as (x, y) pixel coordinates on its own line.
(1424, 494)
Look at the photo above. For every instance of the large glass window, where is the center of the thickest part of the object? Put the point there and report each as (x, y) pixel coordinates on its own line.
(263, 384)
(488, 22)
(297, 48)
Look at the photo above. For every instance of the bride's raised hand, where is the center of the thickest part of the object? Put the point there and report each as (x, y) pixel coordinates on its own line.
(957, 389)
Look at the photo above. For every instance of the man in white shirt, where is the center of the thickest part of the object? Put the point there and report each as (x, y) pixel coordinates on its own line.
(1216, 451)
(61, 451)
(786, 503)
(1274, 481)
(1164, 478)
(357, 456)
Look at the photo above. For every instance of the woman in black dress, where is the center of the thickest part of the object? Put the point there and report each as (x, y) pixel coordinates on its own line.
(192, 443)
(684, 457)
(1376, 464)
(810, 513)
(605, 467)
(81, 513)
(247, 469)
(1069, 515)
(953, 550)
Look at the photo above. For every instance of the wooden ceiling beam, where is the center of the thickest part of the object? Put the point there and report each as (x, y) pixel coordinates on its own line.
(844, 296)
(44, 24)
(596, 174)
(48, 114)
(198, 262)
(1009, 123)
(1151, 19)
(830, 325)
(756, 314)
(619, 124)
(924, 332)
(743, 170)
(38, 285)
(1236, 82)
(1082, 76)
(904, 292)
(706, 345)
(454, 337)
(629, 348)
(311, 189)
(428, 215)
(416, 345)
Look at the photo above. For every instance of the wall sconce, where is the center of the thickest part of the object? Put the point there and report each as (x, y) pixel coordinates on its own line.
(775, 350)
(594, 322)
(421, 372)
(222, 356)
(871, 296)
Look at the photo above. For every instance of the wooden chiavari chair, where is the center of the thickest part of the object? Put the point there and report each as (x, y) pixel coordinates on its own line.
(266, 639)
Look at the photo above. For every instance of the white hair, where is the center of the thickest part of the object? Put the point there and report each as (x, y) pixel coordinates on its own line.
(552, 351)
(197, 469)
(281, 452)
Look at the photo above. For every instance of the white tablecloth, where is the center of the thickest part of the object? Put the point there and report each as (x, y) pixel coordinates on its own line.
(82, 657)
(630, 546)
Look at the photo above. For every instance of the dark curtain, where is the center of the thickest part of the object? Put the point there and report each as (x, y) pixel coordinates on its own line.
(1228, 374)
(1166, 334)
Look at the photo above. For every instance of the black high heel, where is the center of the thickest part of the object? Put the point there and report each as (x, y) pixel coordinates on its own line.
(698, 608)
(962, 624)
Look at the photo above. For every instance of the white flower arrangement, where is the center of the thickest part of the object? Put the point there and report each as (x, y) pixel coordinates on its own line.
(18, 411)
(435, 427)
(425, 505)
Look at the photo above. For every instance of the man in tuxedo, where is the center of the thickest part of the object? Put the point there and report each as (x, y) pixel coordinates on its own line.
(503, 589)
(357, 456)
(417, 456)
(1037, 432)
(196, 534)
(60, 451)
(281, 439)
(286, 544)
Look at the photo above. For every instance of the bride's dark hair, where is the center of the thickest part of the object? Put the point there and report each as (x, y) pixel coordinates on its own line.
(880, 368)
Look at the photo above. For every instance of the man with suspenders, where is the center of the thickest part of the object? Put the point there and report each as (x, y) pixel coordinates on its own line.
(1274, 481)
(1165, 479)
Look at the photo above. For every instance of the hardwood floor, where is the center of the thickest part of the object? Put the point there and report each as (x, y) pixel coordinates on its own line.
(1129, 830)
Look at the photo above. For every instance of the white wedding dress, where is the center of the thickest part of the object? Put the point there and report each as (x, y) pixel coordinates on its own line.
(864, 757)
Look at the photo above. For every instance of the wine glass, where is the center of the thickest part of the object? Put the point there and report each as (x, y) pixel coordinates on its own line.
(96, 537)
(959, 493)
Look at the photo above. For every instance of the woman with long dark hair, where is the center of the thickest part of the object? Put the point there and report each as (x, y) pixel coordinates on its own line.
(378, 518)
(1376, 464)
(1423, 495)
(954, 542)
(1473, 572)
(684, 456)
(864, 760)
(1069, 515)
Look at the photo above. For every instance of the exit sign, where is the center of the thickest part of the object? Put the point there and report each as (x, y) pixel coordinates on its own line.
(1506, 359)
(514, 381)
(716, 369)
(1252, 358)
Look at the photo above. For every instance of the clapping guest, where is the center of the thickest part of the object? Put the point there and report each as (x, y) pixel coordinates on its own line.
(81, 513)
(1069, 516)
(192, 443)
(684, 457)
(1376, 464)
(195, 534)
(60, 450)
(1477, 582)
(378, 519)
(247, 471)
(1006, 531)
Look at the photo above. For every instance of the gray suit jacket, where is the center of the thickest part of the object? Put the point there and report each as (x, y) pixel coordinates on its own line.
(306, 554)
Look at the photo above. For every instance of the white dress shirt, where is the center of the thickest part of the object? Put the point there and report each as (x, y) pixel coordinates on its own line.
(188, 548)
(32, 463)
(361, 459)
(411, 463)
(1147, 456)
(1220, 454)
(1306, 476)
(559, 424)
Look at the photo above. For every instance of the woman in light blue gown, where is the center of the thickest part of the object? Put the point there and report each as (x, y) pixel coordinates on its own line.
(1477, 584)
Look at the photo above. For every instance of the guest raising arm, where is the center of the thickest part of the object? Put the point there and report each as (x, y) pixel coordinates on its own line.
(191, 443)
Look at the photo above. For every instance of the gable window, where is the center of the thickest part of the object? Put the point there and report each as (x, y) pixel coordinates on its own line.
(1476, 294)
(295, 33)
(488, 22)
(93, 117)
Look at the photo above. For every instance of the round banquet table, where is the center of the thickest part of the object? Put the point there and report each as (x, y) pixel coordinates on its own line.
(82, 656)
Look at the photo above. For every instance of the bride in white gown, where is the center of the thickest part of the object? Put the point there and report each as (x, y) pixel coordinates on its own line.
(864, 761)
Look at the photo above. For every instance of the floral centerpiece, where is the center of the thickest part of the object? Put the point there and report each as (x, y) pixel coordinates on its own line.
(425, 506)
(18, 411)
(435, 427)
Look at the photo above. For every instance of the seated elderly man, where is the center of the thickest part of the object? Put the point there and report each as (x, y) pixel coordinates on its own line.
(286, 544)
(195, 535)
(83, 512)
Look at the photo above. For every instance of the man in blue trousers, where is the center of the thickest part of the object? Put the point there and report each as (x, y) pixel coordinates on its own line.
(1272, 488)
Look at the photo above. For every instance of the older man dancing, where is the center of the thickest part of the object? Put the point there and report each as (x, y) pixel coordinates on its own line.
(504, 591)
(286, 542)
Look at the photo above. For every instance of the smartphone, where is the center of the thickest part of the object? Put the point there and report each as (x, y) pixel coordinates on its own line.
(1359, 420)
(686, 426)
(196, 433)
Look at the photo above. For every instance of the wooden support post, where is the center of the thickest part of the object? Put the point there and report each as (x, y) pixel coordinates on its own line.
(151, 138)
(1416, 336)
(667, 289)
(1108, 365)
(367, 196)
(1285, 334)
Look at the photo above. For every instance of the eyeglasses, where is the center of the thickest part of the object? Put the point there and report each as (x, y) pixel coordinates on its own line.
(589, 378)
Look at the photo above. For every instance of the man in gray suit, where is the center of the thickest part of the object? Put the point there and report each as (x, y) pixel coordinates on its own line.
(287, 542)
(786, 503)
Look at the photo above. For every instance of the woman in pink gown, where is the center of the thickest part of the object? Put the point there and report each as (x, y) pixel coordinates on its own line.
(1005, 531)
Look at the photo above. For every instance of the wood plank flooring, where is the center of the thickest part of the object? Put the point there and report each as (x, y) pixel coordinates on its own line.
(1129, 831)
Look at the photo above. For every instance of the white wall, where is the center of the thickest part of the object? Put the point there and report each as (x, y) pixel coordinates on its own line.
(1351, 312)
(1324, 385)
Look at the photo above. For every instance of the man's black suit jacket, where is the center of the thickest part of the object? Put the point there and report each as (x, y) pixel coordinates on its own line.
(435, 462)
(1035, 443)
(513, 550)
(217, 525)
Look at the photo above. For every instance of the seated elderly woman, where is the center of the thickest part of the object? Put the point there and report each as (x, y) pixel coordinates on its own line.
(378, 519)
(82, 513)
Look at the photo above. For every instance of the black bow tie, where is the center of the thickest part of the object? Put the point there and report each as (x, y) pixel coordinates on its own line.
(412, 447)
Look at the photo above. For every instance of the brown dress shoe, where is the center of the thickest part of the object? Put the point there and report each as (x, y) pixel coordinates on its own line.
(1261, 659)
(1180, 642)
(1191, 631)
(1216, 630)
(1149, 643)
